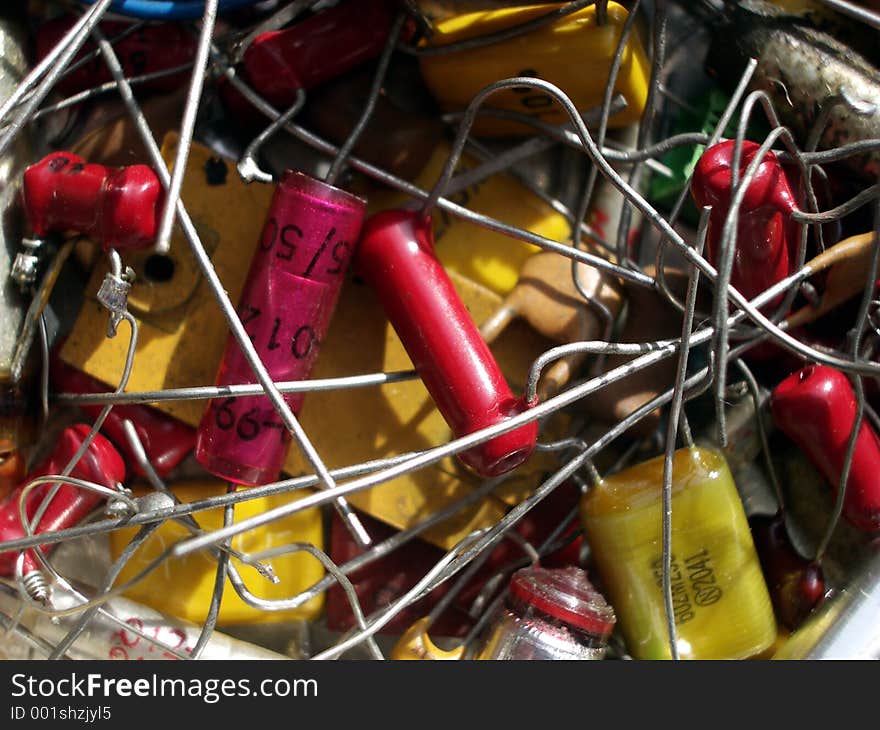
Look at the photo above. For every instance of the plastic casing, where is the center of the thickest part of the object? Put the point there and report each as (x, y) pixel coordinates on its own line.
(721, 602)
(307, 243)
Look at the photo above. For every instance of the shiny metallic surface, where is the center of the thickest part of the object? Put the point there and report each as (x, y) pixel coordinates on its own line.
(517, 638)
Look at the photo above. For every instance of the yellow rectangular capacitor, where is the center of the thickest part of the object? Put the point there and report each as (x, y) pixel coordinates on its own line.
(183, 587)
(574, 52)
(721, 604)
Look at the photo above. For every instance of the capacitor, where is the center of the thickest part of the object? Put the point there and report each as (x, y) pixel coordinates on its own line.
(396, 257)
(100, 464)
(766, 235)
(148, 49)
(546, 297)
(554, 52)
(846, 625)
(317, 49)
(816, 408)
(702, 114)
(550, 614)
(116, 631)
(166, 440)
(796, 584)
(118, 206)
(308, 240)
(721, 605)
(802, 69)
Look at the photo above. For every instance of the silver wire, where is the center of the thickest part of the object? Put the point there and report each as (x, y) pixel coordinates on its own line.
(372, 97)
(187, 127)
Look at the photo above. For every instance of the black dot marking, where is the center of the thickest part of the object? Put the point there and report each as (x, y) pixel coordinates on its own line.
(216, 171)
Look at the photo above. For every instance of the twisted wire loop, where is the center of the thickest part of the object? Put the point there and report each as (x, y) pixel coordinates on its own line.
(732, 327)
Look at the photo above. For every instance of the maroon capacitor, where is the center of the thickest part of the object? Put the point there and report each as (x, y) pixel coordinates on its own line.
(796, 584)
(767, 236)
(816, 408)
(151, 48)
(100, 464)
(166, 440)
(118, 206)
(396, 257)
(317, 49)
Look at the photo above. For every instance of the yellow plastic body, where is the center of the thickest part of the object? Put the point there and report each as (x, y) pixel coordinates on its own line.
(183, 586)
(721, 603)
(415, 644)
(486, 257)
(574, 53)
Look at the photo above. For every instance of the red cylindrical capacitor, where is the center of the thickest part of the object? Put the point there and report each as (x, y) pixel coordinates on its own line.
(100, 464)
(767, 237)
(317, 49)
(118, 206)
(816, 408)
(288, 299)
(166, 440)
(396, 256)
(150, 48)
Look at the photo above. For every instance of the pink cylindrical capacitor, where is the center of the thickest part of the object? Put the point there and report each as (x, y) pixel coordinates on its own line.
(288, 299)
(396, 257)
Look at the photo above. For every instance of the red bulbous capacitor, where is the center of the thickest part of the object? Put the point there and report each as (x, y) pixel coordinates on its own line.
(317, 49)
(101, 464)
(166, 440)
(297, 271)
(118, 206)
(767, 236)
(816, 408)
(396, 257)
(148, 49)
(796, 584)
